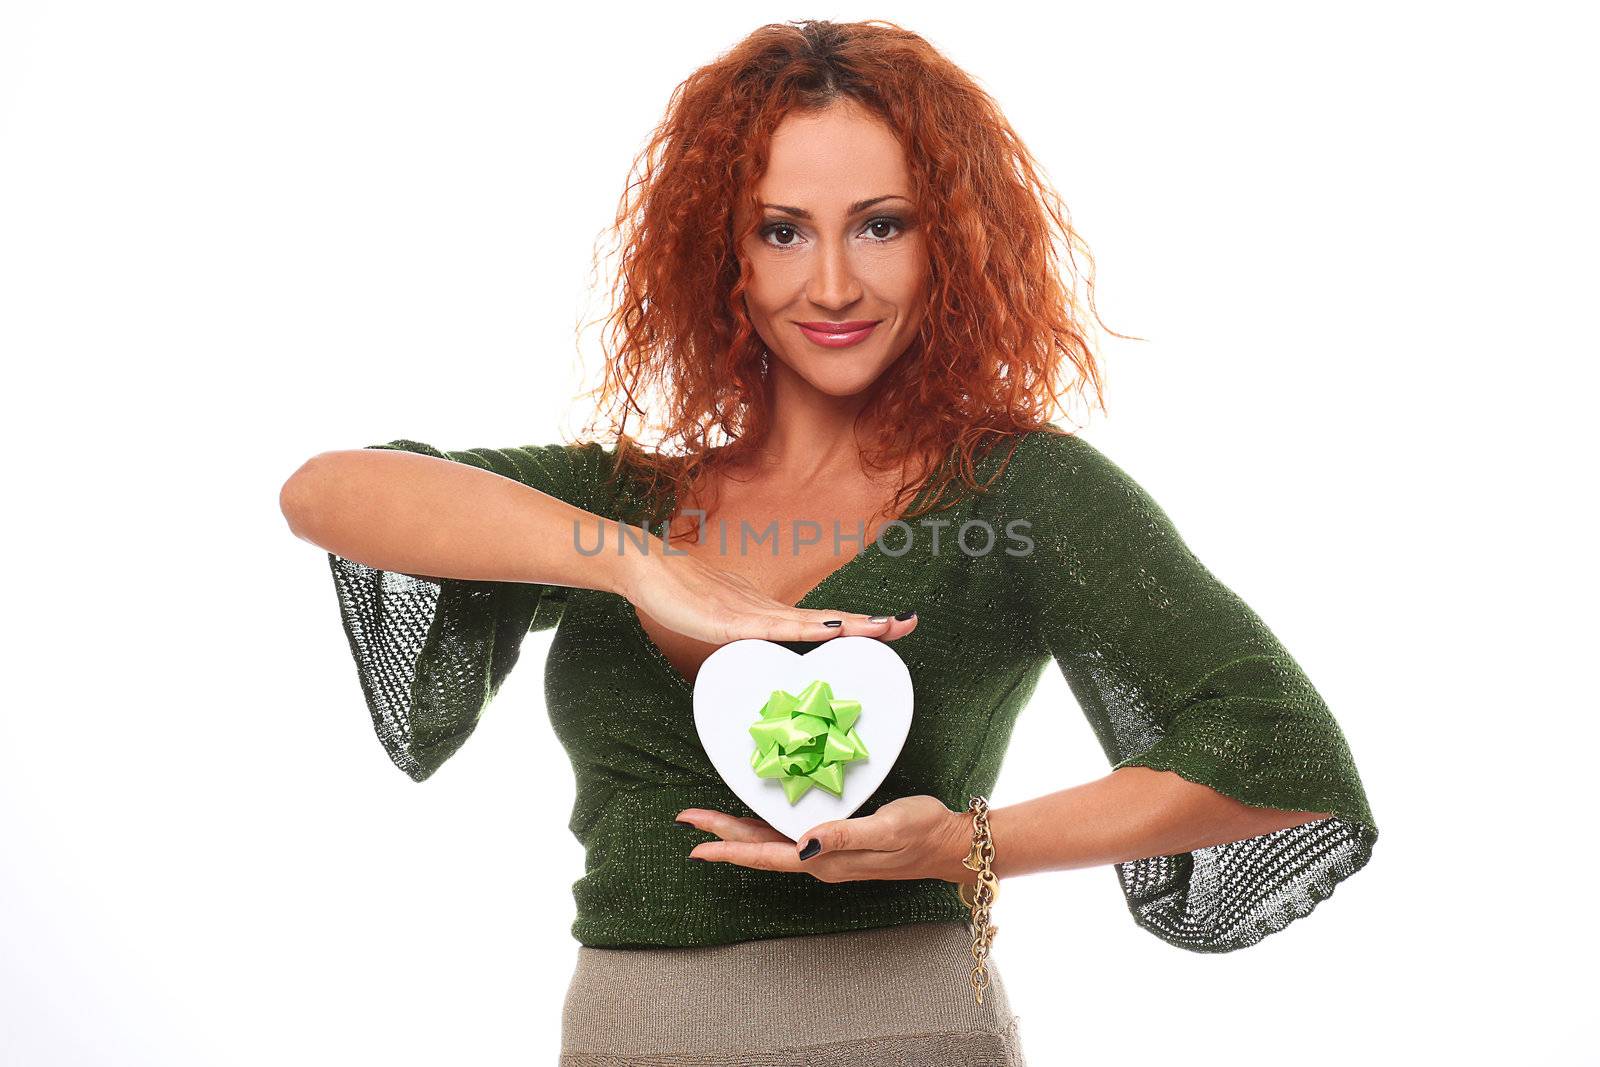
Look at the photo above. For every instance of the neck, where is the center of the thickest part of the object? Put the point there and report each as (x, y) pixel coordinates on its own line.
(812, 433)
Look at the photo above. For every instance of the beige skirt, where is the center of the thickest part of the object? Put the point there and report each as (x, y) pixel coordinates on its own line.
(895, 996)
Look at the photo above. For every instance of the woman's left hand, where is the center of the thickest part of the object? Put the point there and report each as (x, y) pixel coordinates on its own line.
(912, 837)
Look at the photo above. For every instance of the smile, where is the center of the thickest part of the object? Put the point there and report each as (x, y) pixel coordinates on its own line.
(830, 335)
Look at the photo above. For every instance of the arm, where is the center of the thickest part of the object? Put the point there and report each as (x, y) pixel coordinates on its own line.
(432, 518)
(442, 562)
(1129, 814)
(1234, 805)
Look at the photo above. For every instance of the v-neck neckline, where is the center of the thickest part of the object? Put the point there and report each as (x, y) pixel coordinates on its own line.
(670, 669)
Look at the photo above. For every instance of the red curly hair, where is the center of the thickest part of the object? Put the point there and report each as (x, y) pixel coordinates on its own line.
(987, 362)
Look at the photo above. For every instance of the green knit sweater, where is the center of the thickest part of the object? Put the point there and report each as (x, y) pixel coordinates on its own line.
(1172, 669)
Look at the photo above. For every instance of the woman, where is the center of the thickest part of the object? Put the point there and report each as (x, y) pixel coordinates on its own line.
(840, 261)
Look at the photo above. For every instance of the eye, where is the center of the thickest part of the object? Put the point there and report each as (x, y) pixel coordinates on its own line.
(790, 232)
(774, 227)
(887, 220)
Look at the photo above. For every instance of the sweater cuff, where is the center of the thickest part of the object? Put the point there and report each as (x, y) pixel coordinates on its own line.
(1273, 747)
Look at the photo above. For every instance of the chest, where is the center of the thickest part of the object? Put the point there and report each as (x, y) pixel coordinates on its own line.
(784, 545)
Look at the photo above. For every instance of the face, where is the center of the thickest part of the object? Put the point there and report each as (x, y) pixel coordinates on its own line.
(837, 243)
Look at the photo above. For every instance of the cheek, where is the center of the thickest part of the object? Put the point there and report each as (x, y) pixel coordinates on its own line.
(905, 272)
(770, 285)
(920, 267)
(767, 288)
(911, 290)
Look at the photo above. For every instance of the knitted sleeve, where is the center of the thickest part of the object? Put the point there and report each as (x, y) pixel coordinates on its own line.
(430, 656)
(1175, 672)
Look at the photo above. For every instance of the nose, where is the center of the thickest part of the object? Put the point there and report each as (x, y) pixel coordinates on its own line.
(833, 283)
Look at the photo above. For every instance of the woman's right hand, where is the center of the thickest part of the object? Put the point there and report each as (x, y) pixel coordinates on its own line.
(694, 598)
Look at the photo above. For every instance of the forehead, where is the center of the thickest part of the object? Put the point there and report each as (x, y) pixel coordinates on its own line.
(826, 160)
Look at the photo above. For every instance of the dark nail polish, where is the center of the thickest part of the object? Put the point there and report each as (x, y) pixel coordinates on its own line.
(904, 615)
(877, 618)
(835, 623)
(813, 846)
(690, 825)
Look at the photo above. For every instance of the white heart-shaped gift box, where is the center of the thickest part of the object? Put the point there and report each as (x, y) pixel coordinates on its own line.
(736, 681)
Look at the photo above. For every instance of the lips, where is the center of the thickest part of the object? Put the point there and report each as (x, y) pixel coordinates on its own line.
(837, 334)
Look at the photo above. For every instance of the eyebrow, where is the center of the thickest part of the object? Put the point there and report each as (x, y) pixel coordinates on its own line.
(858, 206)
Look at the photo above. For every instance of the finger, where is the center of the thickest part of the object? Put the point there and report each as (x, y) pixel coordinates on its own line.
(730, 827)
(811, 625)
(880, 830)
(885, 627)
(856, 865)
(763, 855)
(899, 627)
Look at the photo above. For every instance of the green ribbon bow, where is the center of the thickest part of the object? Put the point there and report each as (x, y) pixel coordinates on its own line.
(806, 740)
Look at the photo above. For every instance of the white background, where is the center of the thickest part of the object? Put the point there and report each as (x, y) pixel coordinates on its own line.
(1359, 239)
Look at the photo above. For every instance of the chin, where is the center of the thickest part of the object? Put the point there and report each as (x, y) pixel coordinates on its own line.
(840, 385)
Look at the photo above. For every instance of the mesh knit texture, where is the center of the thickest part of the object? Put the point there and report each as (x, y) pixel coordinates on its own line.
(1172, 669)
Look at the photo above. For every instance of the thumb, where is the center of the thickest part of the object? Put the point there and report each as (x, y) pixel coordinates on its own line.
(842, 834)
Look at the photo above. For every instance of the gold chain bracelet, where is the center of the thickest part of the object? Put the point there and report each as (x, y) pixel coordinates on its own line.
(983, 895)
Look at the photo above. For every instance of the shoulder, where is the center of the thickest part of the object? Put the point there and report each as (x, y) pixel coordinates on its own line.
(1051, 461)
(573, 466)
(571, 471)
(511, 458)
(1054, 445)
(1063, 480)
